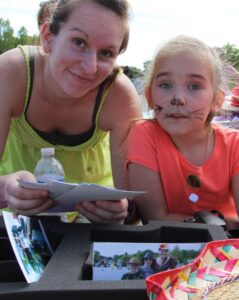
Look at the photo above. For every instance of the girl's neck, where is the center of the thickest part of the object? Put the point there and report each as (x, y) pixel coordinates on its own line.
(195, 148)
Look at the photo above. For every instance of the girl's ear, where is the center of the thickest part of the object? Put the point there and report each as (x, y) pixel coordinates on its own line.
(147, 92)
(218, 101)
(46, 37)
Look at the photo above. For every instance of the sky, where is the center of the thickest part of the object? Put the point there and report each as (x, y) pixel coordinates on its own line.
(152, 23)
(111, 249)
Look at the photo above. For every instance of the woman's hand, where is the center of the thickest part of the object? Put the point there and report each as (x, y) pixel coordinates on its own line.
(21, 200)
(104, 211)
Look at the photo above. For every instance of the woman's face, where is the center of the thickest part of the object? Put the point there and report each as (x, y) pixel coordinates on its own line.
(148, 261)
(188, 78)
(83, 53)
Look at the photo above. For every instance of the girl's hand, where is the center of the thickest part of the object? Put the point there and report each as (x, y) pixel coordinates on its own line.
(104, 211)
(21, 200)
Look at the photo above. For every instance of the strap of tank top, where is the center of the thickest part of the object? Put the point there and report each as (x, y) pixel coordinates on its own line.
(108, 81)
(97, 102)
(30, 50)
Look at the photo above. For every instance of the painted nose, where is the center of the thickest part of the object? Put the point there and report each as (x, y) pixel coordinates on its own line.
(177, 101)
(178, 94)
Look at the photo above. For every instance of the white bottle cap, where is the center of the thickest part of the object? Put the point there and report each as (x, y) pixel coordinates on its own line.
(47, 151)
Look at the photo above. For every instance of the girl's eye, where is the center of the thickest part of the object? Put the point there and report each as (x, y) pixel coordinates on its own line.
(106, 53)
(79, 43)
(165, 85)
(194, 87)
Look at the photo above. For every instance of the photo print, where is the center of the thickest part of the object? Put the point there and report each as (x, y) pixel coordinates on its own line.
(124, 261)
(29, 243)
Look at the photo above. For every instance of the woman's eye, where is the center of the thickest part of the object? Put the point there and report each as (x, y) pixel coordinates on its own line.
(79, 43)
(165, 85)
(194, 86)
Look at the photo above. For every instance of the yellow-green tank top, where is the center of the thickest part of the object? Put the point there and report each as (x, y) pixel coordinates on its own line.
(87, 162)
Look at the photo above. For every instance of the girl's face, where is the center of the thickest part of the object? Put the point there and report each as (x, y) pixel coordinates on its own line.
(187, 78)
(83, 53)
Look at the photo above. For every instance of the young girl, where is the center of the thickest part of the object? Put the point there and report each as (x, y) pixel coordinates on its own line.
(184, 163)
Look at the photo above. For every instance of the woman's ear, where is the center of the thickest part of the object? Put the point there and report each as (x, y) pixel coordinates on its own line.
(147, 92)
(46, 37)
(218, 101)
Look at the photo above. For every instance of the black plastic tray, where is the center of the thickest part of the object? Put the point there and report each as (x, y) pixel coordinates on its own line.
(68, 273)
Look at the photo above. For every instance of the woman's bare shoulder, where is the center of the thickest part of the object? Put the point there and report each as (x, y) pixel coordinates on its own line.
(13, 74)
(124, 86)
(122, 103)
(11, 60)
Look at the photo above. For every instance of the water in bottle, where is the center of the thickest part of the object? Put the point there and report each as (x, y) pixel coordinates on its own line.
(48, 168)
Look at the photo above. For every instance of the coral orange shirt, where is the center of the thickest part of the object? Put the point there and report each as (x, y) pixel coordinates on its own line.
(151, 147)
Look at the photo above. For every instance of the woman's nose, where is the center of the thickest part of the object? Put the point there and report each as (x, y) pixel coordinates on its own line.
(89, 63)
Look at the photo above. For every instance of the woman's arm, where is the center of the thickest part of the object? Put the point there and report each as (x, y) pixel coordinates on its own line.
(12, 94)
(9, 88)
(121, 107)
(11, 102)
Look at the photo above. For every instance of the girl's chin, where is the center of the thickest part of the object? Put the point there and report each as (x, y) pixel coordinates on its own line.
(176, 130)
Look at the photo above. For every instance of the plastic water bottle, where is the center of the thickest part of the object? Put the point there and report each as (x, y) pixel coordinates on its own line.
(48, 167)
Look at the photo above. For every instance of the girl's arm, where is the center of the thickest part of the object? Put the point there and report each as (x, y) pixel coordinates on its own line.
(152, 205)
(234, 222)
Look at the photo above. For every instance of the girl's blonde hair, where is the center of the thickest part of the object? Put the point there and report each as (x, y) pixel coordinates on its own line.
(183, 43)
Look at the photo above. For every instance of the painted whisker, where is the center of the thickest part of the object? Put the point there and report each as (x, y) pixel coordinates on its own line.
(158, 108)
(198, 114)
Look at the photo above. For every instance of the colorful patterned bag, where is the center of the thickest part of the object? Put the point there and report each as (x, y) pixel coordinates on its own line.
(216, 267)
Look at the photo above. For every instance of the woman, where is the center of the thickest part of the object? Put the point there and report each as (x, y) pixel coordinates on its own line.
(150, 266)
(68, 94)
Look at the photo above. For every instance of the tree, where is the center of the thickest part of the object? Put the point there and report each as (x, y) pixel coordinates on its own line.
(132, 72)
(97, 256)
(7, 40)
(33, 40)
(22, 36)
(231, 54)
(147, 64)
